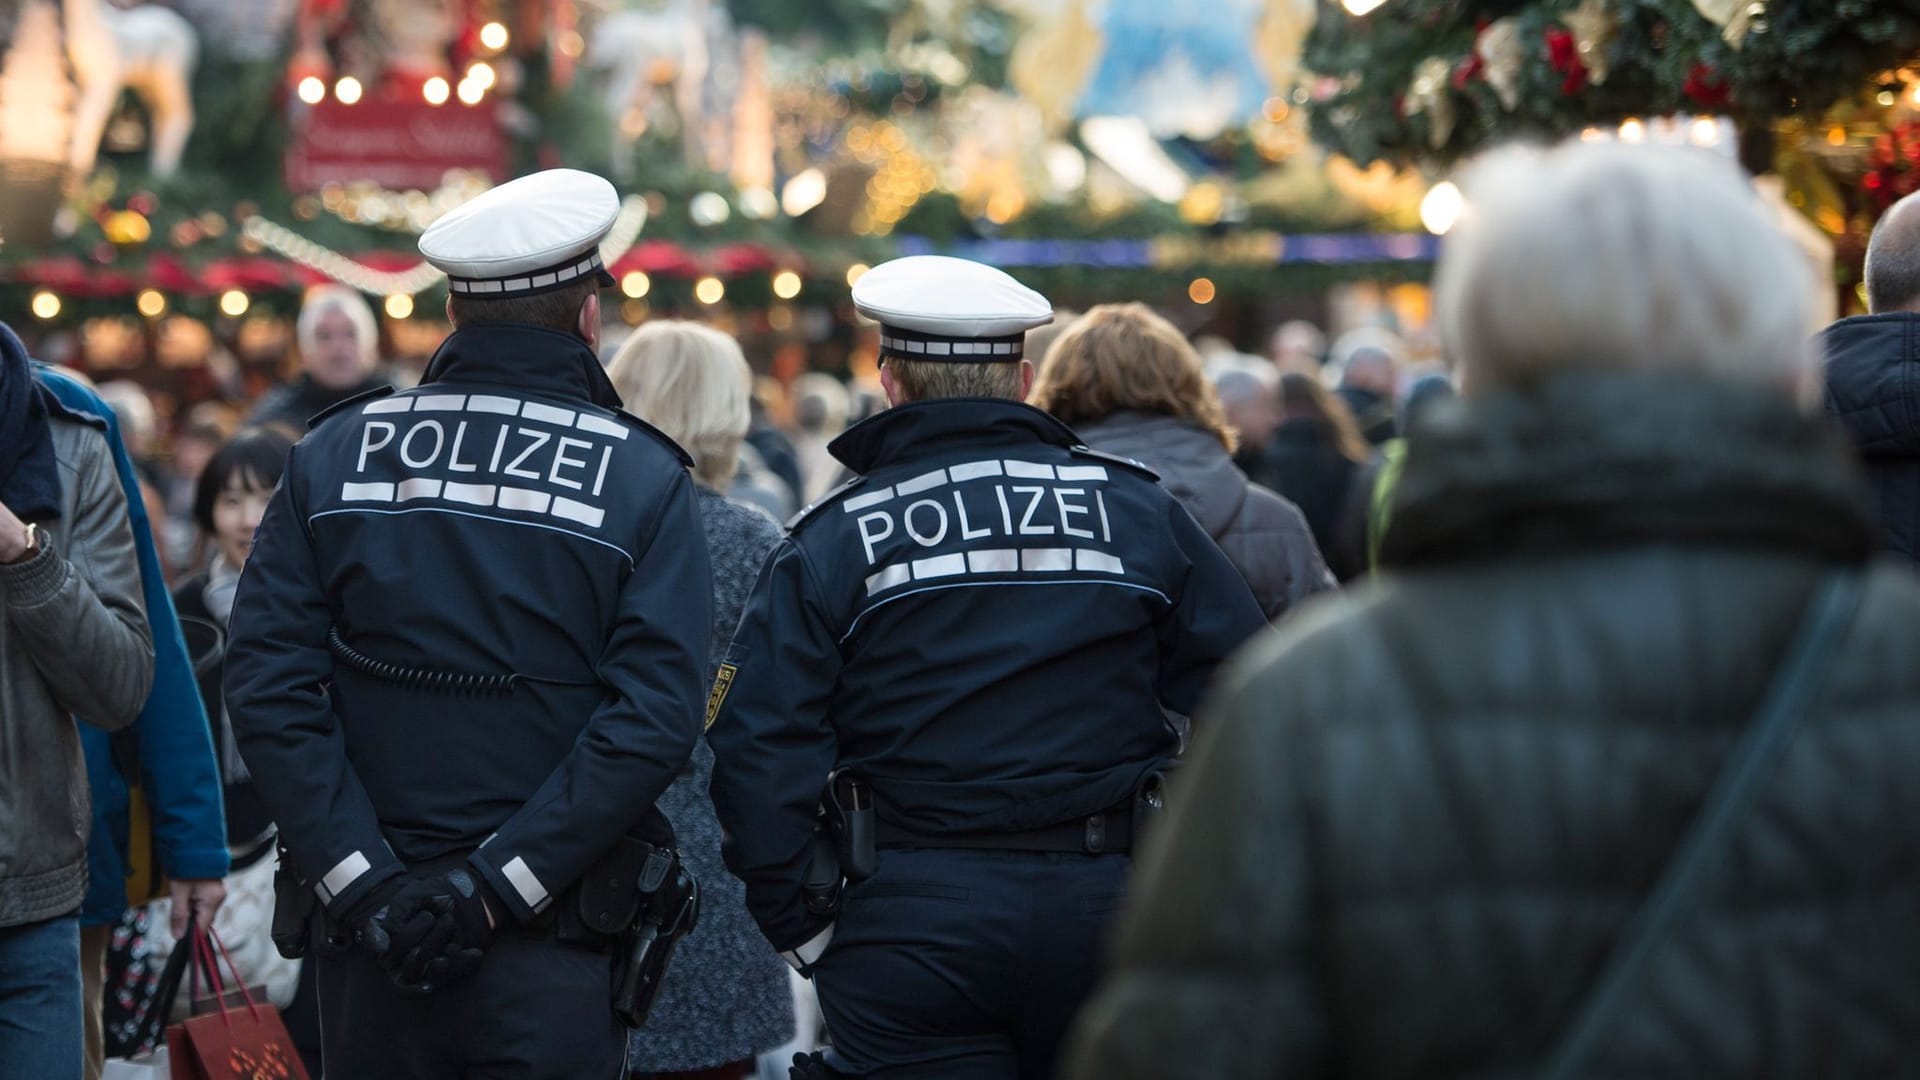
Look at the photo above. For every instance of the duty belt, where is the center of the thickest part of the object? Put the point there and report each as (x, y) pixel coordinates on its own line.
(432, 681)
(1109, 832)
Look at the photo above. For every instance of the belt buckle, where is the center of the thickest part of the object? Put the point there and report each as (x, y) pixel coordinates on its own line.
(1096, 841)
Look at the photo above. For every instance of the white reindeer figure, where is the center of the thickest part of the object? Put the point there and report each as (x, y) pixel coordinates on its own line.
(148, 48)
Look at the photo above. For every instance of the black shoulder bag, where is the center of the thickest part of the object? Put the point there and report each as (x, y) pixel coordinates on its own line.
(1728, 802)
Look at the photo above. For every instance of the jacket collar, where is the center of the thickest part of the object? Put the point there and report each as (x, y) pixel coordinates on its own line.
(1604, 460)
(529, 358)
(925, 428)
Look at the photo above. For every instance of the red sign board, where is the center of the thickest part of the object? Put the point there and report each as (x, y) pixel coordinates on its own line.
(397, 144)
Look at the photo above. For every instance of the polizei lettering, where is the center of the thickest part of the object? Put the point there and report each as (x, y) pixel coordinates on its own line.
(987, 517)
(484, 450)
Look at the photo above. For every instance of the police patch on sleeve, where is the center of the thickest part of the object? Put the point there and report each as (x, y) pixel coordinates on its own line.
(722, 683)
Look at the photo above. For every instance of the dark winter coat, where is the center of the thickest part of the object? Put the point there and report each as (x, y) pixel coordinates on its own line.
(1265, 536)
(1873, 389)
(293, 403)
(726, 997)
(1420, 816)
(1304, 465)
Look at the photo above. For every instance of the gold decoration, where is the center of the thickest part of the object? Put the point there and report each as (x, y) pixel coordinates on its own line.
(1504, 54)
(1279, 39)
(1053, 62)
(1428, 95)
(127, 229)
(1736, 18)
(1594, 27)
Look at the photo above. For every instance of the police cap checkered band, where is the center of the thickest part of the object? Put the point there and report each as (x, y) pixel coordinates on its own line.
(920, 345)
(529, 284)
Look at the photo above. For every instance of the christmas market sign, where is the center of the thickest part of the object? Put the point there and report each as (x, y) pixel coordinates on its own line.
(398, 144)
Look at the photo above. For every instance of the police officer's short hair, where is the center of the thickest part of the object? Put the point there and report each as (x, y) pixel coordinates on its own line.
(930, 380)
(558, 309)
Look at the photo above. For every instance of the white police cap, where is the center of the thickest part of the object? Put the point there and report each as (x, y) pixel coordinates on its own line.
(931, 307)
(527, 236)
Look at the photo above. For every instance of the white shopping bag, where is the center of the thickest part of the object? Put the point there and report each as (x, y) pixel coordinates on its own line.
(145, 1067)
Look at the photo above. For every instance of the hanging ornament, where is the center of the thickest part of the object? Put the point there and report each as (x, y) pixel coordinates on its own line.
(1707, 89)
(1470, 69)
(1565, 58)
(1594, 27)
(1428, 95)
(1505, 55)
(1736, 18)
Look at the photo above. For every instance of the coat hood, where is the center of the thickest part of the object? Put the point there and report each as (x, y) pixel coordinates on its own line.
(1590, 461)
(1190, 460)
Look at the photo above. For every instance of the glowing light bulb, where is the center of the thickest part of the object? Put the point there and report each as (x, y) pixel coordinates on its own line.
(45, 305)
(856, 272)
(494, 36)
(709, 290)
(399, 306)
(234, 303)
(635, 283)
(471, 92)
(151, 303)
(436, 91)
(1441, 209)
(481, 73)
(1200, 290)
(786, 284)
(312, 90)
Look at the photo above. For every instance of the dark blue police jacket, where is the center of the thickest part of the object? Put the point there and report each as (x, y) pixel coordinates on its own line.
(502, 518)
(985, 626)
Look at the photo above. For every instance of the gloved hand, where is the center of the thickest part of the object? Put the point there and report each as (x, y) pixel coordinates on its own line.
(432, 930)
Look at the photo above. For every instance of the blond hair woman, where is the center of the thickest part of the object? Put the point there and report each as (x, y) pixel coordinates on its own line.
(1128, 383)
(728, 1000)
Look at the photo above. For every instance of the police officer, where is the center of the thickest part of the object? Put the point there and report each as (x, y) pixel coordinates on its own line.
(977, 635)
(468, 653)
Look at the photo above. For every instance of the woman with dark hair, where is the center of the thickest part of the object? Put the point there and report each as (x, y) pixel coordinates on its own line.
(1319, 459)
(228, 501)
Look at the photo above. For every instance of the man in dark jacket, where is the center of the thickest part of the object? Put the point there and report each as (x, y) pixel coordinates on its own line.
(468, 654)
(339, 350)
(1873, 376)
(983, 631)
(1423, 817)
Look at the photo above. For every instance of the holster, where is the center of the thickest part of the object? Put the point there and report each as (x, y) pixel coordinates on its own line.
(824, 879)
(669, 908)
(850, 820)
(294, 906)
(1150, 802)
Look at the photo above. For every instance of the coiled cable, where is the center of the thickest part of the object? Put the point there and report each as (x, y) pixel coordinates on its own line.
(436, 682)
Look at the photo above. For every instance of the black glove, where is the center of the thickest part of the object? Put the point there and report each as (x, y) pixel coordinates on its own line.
(813, 1067)
(433, 930)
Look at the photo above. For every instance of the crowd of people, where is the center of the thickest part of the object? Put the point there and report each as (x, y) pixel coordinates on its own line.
(1571, 698)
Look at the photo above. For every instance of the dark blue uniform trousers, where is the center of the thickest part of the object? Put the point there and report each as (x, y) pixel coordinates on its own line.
(536, 1010)
(965, 965)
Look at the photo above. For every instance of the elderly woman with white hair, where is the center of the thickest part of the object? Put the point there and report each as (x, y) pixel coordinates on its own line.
(728, 1000)
(339, 350)
(1612, 773)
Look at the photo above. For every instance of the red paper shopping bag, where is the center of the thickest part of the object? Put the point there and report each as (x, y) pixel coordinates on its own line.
(239, 1042)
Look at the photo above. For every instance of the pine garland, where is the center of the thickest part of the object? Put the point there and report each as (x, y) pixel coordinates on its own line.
(1658, 57)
